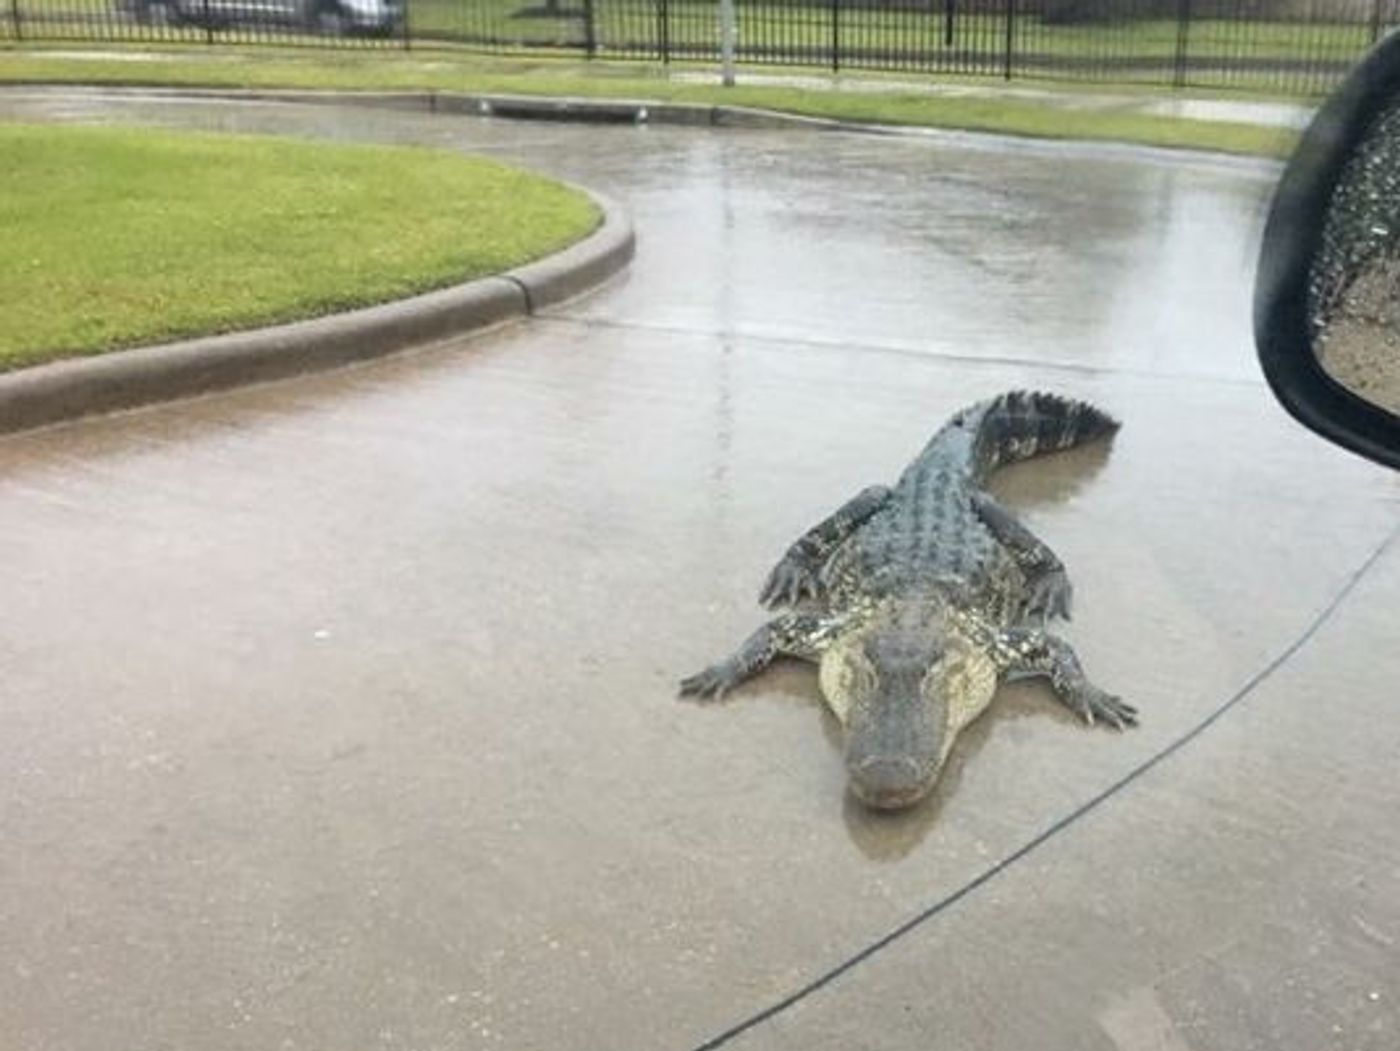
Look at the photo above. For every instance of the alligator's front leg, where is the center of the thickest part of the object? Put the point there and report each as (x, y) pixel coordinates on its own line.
(1026, 653)
(1048, 590)
(791, 635)
(798, 572)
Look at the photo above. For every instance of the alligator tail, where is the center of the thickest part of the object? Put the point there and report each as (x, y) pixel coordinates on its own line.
(1021, 424)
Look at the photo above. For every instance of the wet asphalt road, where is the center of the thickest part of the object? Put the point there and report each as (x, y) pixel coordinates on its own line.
(338, 713)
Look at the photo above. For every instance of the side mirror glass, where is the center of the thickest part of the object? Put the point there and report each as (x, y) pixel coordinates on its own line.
(1327, 294)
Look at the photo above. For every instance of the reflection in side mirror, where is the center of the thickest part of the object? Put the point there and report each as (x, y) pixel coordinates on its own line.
(1327, 298)
(1355, 274)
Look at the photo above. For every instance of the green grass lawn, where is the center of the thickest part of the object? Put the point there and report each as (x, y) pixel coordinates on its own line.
(118, 236)
(446, 71)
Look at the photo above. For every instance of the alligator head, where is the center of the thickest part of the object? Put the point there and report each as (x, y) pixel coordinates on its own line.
(903, 693)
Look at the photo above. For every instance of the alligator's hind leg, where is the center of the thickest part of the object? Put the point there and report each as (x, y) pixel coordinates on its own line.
(798, 573)
(1025, 653)
(791, 635)
(1048, 590)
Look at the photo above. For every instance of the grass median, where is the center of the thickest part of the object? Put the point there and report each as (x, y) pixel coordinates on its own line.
(118, 236)
(456, 71)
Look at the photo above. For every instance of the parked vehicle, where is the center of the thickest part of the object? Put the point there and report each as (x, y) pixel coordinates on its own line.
(332, 17)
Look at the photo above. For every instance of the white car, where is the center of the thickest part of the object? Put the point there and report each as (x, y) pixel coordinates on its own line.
(378, 17)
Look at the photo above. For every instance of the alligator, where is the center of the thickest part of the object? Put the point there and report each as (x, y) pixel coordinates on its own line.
(918, 600)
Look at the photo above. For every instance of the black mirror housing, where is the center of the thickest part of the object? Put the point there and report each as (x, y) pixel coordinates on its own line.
(1293, 239)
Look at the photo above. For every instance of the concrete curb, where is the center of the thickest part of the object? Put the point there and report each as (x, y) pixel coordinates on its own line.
(689, 114)
(65, 390)
(516, 107)
(629, 111)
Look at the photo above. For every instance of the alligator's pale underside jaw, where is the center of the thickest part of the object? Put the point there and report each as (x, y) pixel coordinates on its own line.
(917, 600)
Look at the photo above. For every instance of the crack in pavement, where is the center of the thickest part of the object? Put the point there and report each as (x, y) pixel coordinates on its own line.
(816, 343)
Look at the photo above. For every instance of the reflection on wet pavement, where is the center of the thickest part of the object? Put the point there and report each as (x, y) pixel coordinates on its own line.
(338, 713)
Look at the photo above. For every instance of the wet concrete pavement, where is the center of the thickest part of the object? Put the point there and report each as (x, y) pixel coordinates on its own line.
(339, 713)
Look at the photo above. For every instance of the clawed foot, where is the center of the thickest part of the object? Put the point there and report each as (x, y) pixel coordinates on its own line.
(712, 683)
(1094, 705)
(1050, 596)
(793, 579)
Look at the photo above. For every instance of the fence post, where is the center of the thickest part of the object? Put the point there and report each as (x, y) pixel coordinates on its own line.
(590, 31)
(950, 14)
(835, 36)
(728, 26)
(407, 33)
(1183, 36)
(663, 29)
(1375, 21)
(1010, 37)
(15, 18)
(208, 23)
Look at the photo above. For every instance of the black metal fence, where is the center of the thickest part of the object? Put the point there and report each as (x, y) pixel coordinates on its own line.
(1291, 46)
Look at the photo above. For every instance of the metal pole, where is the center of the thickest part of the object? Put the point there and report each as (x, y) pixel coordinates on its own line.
(1375, 21)
(1010, 37)
(407, 34)
(727, 28)
(836, 36)
(1183, 33)
(208, 24)
(663, 29)
(590, 32)
(14, 18)
(950, 13)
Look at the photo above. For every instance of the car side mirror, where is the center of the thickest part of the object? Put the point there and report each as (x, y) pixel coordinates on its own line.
(1327, 290)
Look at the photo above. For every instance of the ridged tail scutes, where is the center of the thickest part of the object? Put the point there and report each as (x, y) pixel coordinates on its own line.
(1021, 424)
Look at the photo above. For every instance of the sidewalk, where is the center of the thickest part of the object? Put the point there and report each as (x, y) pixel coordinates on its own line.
(1241, 111)
(1270, 114)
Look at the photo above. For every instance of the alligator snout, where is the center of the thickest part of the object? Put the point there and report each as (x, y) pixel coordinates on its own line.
(889, 782)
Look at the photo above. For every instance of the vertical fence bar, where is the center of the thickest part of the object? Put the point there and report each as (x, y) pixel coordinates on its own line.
(1183, 37)
(1375, 20)
(950, 14)
(208, 23)
(835, 36)
(663, 30)
(590, 30)
(407, 25)
(15, 20)
(727, 28)
(1010, 39)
